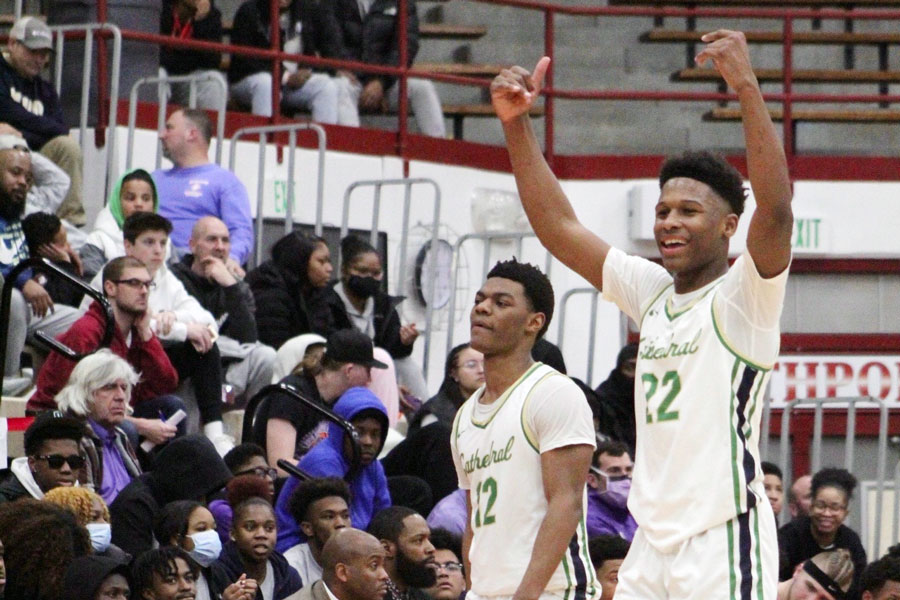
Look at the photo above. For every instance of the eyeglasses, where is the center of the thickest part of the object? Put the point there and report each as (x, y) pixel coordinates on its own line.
(473, 364)
(55, 461)
(137, 283)
(450, 567)
(822, 507)
(261, 472)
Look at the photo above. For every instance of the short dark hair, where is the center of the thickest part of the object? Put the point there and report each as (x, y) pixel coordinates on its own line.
(241, 508)
(879, 572)
(442, 539)
(538, 289)
(159, 561)
(114, 268)
(61, 429)
(242, 453)
(837, 478)
(40, 228)
(607, 547)
(315, 489)
(611, 447)
(172, 521)
(200, 120)
(140, 222)
(353, 246)
(711, 169)
(387, 524)
(770, 468)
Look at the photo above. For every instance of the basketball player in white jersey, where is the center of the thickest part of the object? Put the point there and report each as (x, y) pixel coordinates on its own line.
(522, 446)
(709, 336)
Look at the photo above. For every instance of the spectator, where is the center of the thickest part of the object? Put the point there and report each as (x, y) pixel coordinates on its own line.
(425, 454)
(91, 513)
(52, 458)
(409, 555)
(327, 98)
(825, 576)
(40, 541)
(607, 554)
(251, 551)
(321, 508)
(97, 394)
(773, 482)
(353, 569)
(800, 496)
(463, 374)
(97, 578)
(549, 354)
(134, 192)
(47, 238)
(359, 302)
(368, 33)
(450, 513)
(124, 282)
(248, 364)
(165, 573)
(331, 458)
(609, 482)
(195, 187)
(451, 581)
(616, 396)
(292, 286)
(288, 429)
(881, 579)
(196, 20)
(289, 359)
(823, 529)
(244, 459)
(187, 330)
(31, 307)
(187, 468)
(29, 104)
(188, 525)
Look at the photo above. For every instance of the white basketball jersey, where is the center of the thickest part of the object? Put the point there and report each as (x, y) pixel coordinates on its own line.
(698, 400)
(497, 454)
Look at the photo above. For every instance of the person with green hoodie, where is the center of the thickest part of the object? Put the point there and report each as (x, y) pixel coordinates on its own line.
(133, 192)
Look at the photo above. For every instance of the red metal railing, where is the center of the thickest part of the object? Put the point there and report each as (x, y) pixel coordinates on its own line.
(787, 97)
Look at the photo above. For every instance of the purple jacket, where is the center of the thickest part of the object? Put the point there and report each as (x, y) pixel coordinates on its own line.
(606, 518)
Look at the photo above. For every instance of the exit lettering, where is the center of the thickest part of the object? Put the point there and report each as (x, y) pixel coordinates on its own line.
(807, 234)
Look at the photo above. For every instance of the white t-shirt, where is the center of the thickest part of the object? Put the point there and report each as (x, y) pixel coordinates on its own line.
(497, 451)
(703, 363)
(300, 557)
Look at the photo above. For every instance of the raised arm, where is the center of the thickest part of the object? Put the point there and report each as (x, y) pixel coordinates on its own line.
(513, 92)
(769, 235)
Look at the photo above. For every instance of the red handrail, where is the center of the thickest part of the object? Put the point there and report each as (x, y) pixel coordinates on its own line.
(787, 98)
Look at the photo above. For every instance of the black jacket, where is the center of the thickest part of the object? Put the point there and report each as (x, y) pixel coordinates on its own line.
(386, 321)
(187, 468)
(180, 61)
(372, 39)
(236, 301)
(12, 489)
(796, 545)
(287, 580)
(85, 575)
(251, 28)
(31, 106)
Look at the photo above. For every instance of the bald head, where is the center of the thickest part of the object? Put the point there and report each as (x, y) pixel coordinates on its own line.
(353, 565)
(15, 179)
(347, 545)
(209, 237)
(800, 496)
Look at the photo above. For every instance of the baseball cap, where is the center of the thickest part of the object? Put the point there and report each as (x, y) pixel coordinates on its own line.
(52, 425)
(33, 33)
(9, 141)
(352, 346)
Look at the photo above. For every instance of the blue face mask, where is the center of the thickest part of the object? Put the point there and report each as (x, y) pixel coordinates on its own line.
(207, 547)
(101, 535)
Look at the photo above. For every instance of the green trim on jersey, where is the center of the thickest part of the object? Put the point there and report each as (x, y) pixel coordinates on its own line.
(526, 430)
(586, 557)
(672, 314)
(565, 564)
(732, 574)
(652, 303)
(502, 399)
(732, 430)
(757, 539)
(721, 336)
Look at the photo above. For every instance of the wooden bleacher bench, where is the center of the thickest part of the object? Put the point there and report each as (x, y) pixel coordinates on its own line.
(461, 69)
(458, 112)
(799, 75)
(661, 35)
(443, 31)
(818, 115)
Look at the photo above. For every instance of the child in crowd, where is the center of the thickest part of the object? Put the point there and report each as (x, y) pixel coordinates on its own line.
(46, 237)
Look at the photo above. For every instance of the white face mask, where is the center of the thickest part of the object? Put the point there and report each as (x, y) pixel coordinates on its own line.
(207, 547)
(101, 534)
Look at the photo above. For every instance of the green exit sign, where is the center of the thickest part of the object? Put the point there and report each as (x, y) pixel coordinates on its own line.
(281, 196)
(809, 234)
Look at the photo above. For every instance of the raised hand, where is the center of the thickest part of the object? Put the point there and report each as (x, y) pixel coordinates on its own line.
(728, 52)
(408, 334)
(217, 271)
(514, 90)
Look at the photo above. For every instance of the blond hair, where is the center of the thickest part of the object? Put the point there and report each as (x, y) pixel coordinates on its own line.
(838, 565)
(77, 500)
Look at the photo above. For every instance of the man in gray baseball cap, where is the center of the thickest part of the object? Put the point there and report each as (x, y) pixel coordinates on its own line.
(30, 107)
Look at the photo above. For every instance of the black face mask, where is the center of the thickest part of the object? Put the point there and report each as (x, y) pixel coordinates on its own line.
(363, 287)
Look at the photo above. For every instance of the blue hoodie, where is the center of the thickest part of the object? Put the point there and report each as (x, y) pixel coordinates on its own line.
(368, 489)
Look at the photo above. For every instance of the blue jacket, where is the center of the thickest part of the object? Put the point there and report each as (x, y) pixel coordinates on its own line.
(368, 488)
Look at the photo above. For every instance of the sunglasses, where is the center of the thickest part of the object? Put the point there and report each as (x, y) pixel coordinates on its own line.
(55, 461)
